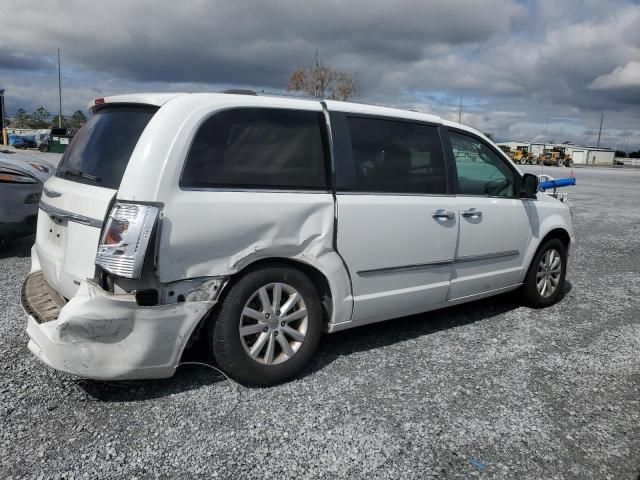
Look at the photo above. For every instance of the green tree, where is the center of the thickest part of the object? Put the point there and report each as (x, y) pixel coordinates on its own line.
(322, 81)
(621, 154)
(490, 136)
(78, 119)
(38, 119)
(21, 118)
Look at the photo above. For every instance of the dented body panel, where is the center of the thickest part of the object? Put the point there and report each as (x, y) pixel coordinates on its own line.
(240, 229)
(108, 337)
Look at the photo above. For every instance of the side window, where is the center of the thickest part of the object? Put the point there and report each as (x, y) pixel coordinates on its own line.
(480, 170)
(396, 157)
(259, 148)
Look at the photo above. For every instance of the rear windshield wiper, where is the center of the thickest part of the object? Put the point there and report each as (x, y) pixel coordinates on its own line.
(77, 173)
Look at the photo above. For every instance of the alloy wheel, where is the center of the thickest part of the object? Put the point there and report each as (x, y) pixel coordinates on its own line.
(548, 273)
(273, 323)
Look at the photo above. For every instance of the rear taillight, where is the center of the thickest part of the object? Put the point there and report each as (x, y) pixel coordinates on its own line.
(11, 176)
(40, 167)
(125, 238)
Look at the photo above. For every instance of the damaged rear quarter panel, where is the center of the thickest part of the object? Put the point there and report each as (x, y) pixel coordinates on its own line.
(217, 233)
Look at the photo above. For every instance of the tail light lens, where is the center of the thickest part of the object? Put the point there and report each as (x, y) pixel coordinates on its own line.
(125, 238)
(40, 167)
(11, 176)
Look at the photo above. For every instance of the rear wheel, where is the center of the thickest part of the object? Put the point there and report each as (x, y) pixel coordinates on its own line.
(268, 327)
(546, 274)
(569, 163)
(559, 162)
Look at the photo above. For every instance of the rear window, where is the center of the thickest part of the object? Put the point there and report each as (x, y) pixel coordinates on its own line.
(258, 148)
(100, 151)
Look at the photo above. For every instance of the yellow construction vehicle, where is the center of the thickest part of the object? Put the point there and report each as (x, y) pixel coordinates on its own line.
(523, 156)
(557, 156)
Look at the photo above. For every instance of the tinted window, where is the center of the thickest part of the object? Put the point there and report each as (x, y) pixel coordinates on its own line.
(396, 157)
(258, 147)
(100, 151)
(480, 170)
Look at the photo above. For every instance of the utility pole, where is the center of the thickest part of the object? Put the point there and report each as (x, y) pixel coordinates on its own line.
(59, 92)
(3, 125)
(600, 131)
(460, 111)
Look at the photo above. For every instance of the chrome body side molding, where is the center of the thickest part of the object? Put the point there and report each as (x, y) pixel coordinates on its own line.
(422, 266)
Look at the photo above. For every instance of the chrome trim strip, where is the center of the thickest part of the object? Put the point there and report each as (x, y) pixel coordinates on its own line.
(487, 256)
(70, 216)
(405, 268)
(424, 266)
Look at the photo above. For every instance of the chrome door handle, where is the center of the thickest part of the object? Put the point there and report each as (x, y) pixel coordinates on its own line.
(442, 214)
(471, 213)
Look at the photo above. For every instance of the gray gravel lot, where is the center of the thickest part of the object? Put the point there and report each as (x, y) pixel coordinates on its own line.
(486, 390)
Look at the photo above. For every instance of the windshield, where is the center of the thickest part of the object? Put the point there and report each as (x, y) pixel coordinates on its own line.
(100, 151)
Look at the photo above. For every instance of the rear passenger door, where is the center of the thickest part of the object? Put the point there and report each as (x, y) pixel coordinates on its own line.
(397, 226)
(495, 229)
(254, 185)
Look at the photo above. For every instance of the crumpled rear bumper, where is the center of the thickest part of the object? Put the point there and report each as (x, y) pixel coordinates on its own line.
(107, 336)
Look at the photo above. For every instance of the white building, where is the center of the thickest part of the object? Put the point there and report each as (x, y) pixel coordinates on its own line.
(589, 155)
(581, 154)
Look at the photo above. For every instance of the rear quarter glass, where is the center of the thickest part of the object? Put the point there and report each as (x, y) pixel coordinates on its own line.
(100, 151)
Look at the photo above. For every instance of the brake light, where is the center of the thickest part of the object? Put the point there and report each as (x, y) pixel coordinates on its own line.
(38, 166)
(99, 101)
(125, 237)
(11, 176)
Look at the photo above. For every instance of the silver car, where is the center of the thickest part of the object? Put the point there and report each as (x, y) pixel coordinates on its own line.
(21, 179)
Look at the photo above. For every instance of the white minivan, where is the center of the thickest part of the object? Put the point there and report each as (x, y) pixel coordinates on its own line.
(259, 222)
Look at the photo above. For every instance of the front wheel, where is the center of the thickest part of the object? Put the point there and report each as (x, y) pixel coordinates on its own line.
(545, 277)
(268, 327)
(569, 163)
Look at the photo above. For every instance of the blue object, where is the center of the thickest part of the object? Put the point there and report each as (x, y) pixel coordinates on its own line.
(479, 464)
(558, 182)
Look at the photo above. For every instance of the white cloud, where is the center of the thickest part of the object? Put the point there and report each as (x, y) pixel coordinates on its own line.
(621, 77)
(518, 65)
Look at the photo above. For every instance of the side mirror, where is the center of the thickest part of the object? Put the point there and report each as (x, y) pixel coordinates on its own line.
(529, 186)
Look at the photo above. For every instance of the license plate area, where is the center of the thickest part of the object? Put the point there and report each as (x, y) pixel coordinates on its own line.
(57, 230)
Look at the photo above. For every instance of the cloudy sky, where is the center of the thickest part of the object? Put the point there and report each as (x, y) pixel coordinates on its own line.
(521, 67)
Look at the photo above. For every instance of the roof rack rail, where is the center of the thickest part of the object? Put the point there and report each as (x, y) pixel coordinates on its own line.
(239, 91)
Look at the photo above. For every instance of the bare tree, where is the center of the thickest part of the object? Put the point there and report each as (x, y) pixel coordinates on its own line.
(322, 81)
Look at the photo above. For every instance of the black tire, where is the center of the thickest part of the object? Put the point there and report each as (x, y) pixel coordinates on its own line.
(559, 163)
(569, 163)
(530, 290)
(223, 330)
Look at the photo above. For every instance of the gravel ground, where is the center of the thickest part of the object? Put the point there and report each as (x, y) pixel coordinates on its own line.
(486, 390)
